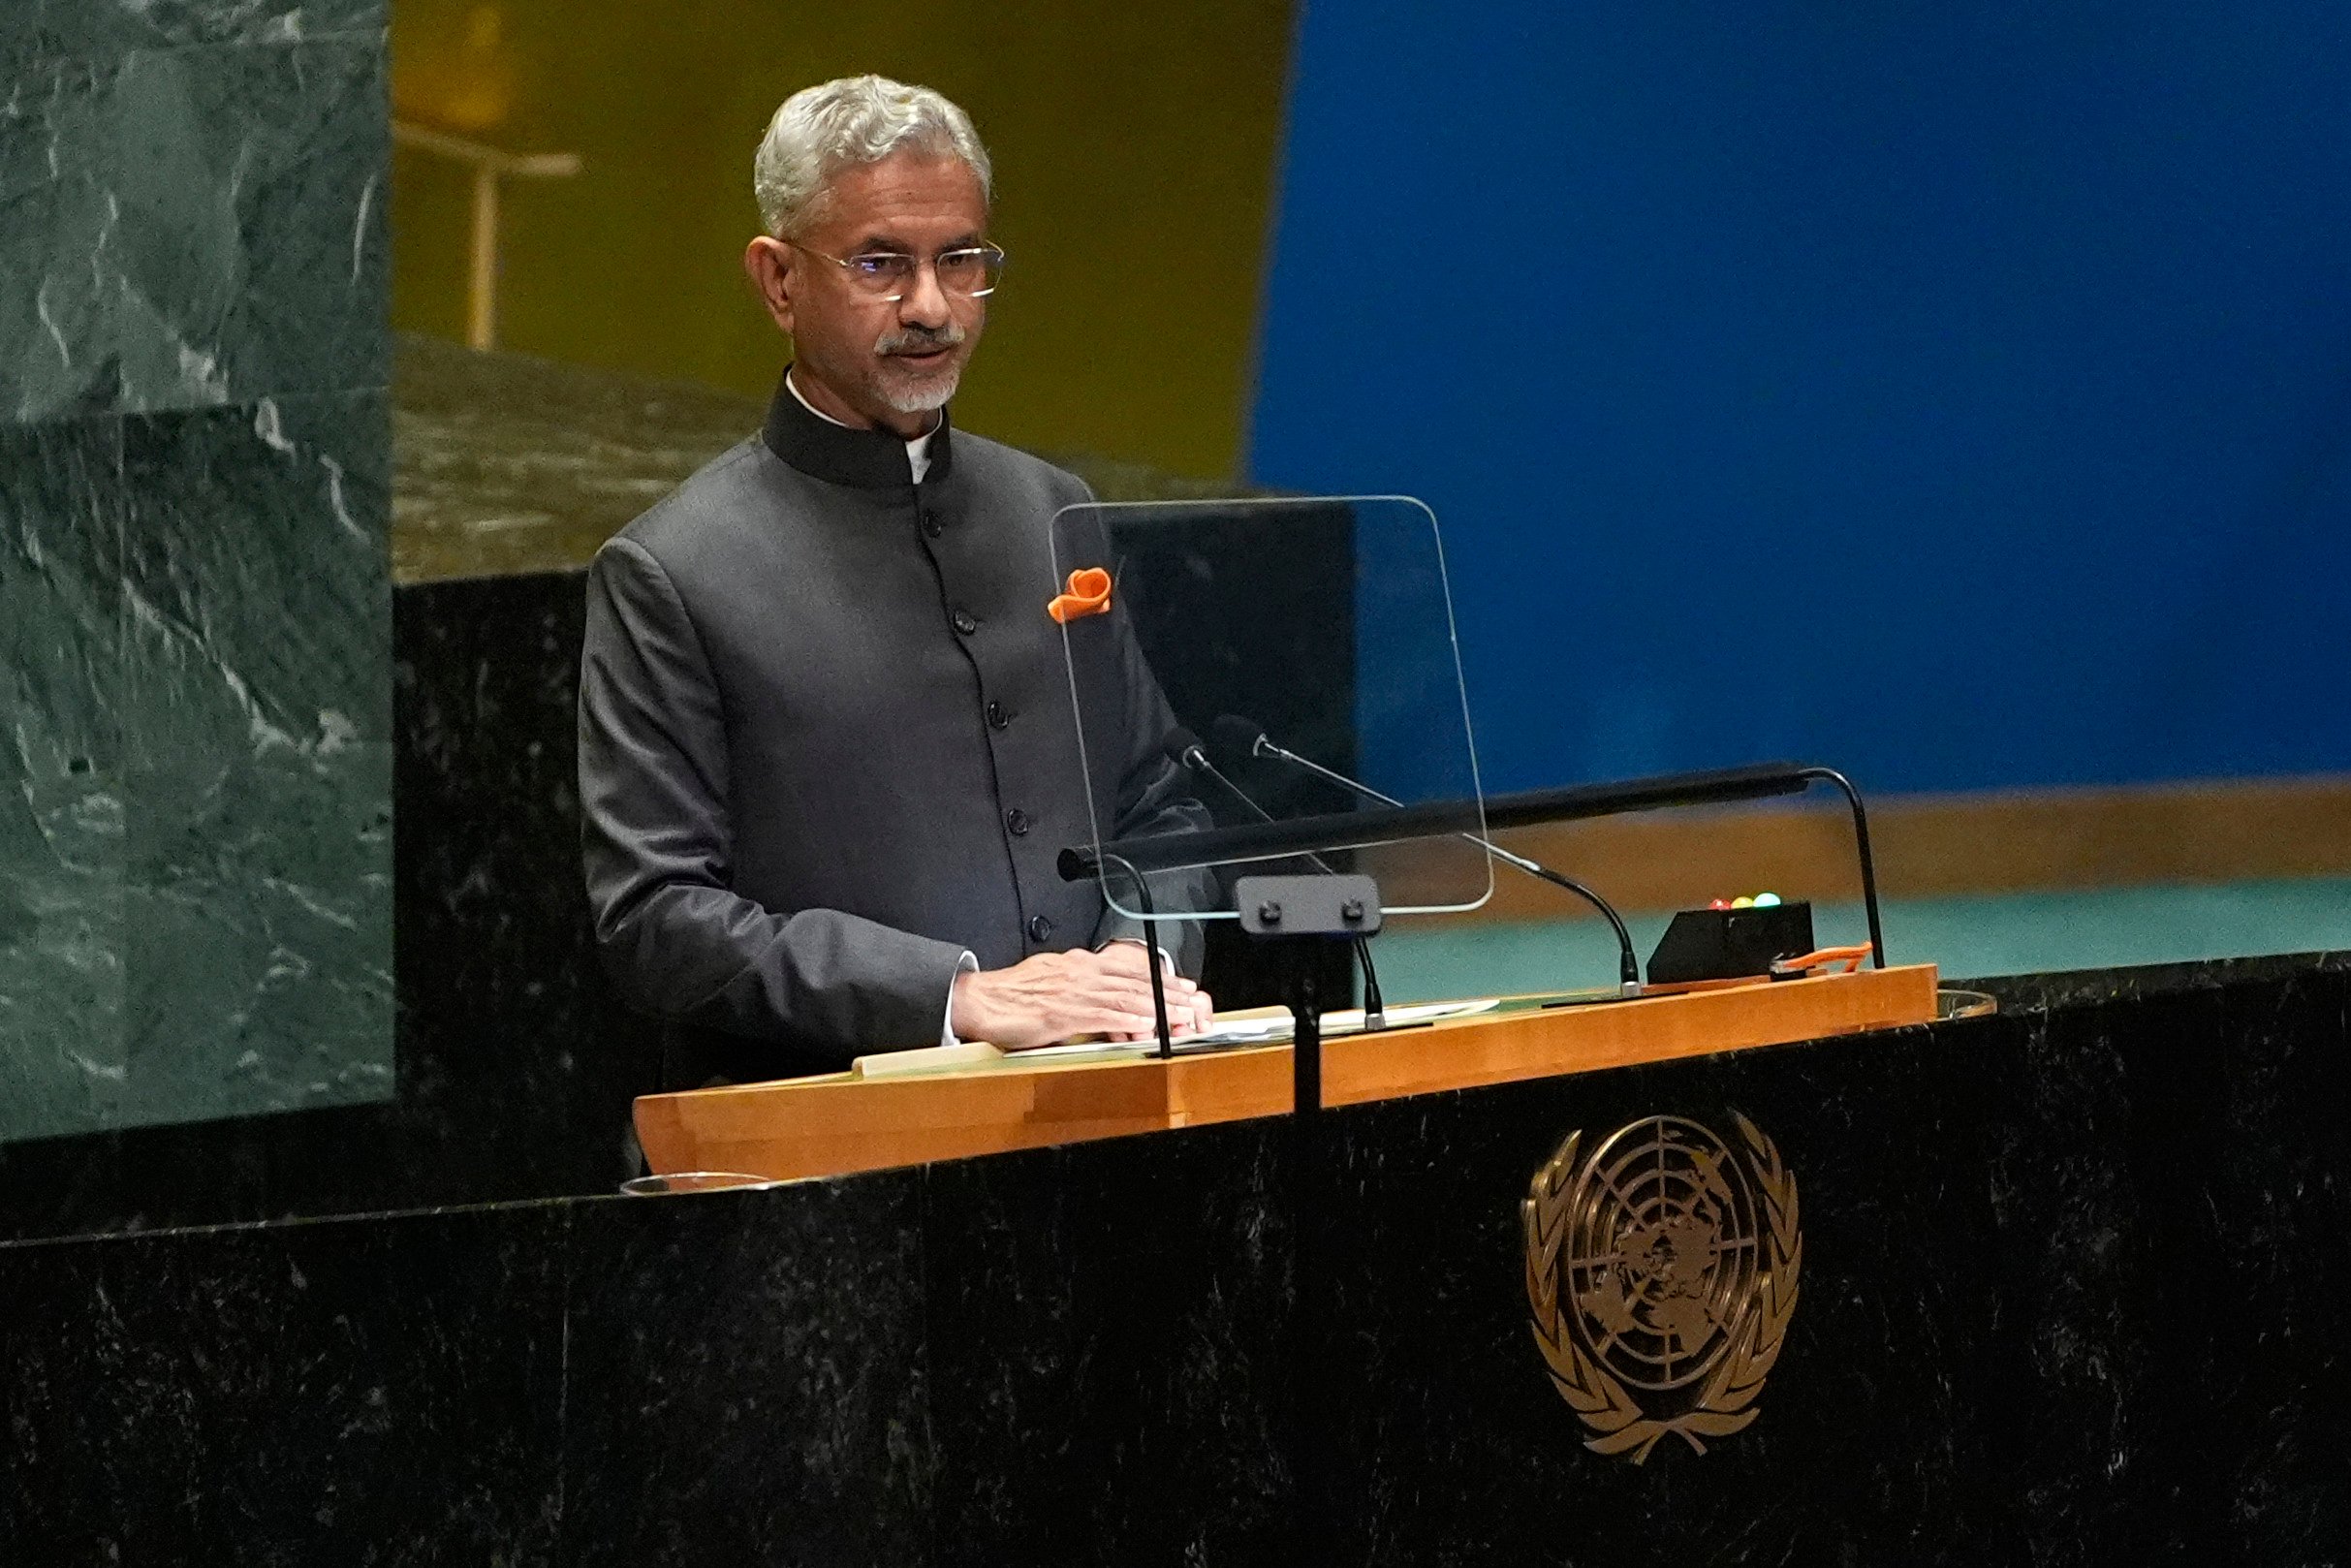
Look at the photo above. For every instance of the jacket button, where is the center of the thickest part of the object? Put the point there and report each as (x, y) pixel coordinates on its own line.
(1039, 927)
(966, 622)
(1018, 821)
(930, 524)
(999, 717)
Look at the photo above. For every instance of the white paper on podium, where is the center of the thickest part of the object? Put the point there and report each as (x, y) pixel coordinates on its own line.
(1260, 1027)
(1256, 1028)
(1269, 1025)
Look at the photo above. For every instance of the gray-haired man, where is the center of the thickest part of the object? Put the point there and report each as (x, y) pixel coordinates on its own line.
(826, 756)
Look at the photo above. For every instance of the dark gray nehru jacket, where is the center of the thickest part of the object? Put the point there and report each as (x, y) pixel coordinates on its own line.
(826, 744)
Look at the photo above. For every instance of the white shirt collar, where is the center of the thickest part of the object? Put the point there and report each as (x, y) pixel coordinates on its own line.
(918, 449)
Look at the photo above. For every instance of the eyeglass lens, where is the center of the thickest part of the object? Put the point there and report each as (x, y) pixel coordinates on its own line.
(973, 271)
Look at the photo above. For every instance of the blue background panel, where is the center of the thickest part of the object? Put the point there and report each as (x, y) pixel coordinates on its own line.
(1959, 396)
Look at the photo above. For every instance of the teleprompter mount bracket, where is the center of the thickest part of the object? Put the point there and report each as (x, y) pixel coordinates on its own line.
(1294, 911)
(1340, 907)
(1297, 913)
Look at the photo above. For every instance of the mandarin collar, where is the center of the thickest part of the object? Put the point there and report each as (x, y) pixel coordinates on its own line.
(869, 460)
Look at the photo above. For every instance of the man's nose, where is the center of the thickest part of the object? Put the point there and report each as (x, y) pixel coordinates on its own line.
(924, 302)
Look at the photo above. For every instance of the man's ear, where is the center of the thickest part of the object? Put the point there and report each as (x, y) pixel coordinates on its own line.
(768, 264)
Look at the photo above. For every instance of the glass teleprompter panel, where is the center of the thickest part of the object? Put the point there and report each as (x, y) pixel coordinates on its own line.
(1288, 662)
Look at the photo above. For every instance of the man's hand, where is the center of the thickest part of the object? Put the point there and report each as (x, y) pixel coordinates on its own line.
(1190, 1008)
(1053, 996)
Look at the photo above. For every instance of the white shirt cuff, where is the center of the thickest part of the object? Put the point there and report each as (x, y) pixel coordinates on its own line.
(965, 965)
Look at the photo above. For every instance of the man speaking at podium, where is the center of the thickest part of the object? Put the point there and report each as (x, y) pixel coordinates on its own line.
(827, 757)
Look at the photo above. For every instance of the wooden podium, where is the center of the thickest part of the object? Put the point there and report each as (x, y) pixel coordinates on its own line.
(843, 1122)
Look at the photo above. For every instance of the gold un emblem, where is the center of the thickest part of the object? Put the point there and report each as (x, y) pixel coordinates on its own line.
(1661, 1275)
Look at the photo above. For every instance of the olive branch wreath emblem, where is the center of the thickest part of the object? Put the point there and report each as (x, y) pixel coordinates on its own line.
(1726, 1401)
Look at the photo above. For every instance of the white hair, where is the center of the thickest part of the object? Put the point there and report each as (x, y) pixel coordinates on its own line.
(846, 124)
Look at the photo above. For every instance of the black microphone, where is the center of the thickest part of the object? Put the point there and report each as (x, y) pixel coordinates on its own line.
(1185, 749)
(1238, 735)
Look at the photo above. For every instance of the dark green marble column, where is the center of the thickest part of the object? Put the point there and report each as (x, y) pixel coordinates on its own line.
(194, 649)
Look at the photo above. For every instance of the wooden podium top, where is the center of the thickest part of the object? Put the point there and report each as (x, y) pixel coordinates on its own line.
(843, 1122)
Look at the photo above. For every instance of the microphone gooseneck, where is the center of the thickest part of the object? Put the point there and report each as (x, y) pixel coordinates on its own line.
(1240, 736)
(1183, 747)
(1150, 954)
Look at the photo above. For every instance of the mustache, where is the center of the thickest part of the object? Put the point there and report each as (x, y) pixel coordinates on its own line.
(917, 339)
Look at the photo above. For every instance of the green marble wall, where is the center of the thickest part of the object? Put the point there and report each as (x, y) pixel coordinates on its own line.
(194, 638)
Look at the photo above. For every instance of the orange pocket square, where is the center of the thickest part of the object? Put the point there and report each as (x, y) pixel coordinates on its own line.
(1089, 594)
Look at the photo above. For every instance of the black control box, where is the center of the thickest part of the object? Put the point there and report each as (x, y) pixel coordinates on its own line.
(1730, 944)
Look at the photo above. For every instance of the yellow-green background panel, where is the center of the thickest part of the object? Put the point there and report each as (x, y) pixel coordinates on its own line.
(1134, 150)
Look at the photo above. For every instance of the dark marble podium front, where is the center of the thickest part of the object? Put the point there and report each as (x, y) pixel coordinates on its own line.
(2076, 1287)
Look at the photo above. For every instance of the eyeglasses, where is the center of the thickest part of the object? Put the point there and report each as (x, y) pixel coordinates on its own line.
(887, 274)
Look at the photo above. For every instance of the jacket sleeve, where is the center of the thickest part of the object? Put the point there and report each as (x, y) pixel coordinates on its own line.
(676, 940)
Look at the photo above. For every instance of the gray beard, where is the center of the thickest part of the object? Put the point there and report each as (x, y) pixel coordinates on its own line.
(924, 395)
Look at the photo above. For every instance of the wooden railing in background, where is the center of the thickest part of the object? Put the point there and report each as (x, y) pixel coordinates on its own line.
(1930, 846)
